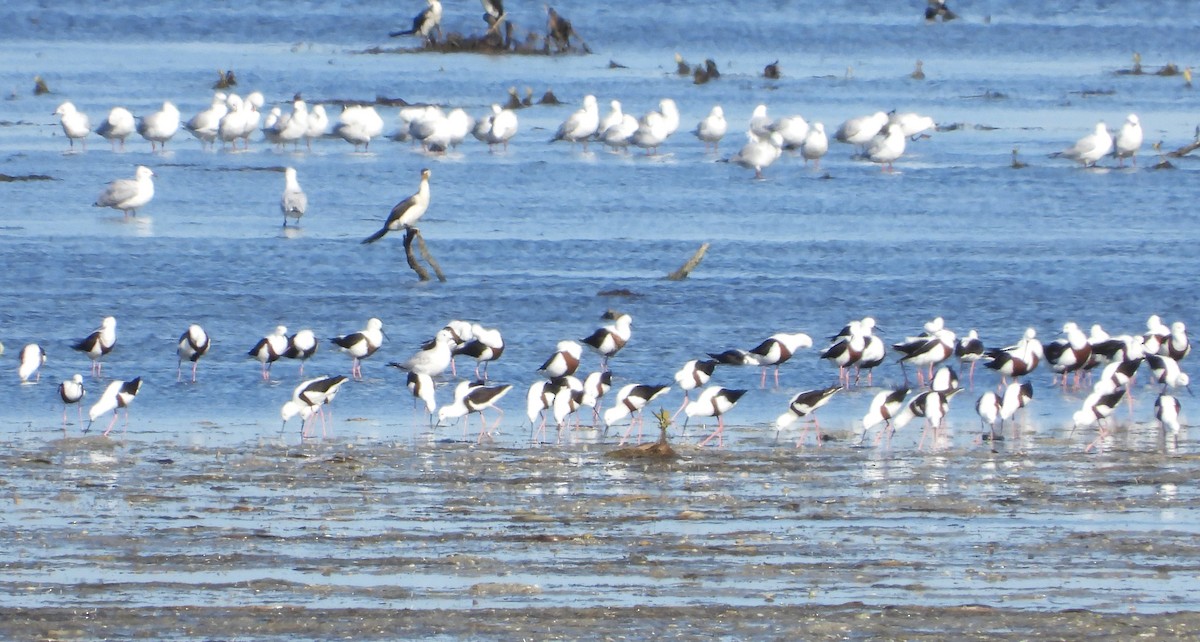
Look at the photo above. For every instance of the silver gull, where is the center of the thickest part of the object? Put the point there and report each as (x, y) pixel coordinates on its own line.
(117, 127)
(1128, 140)
(128, 194)
(294, 202)
(160, 126)
(712, 128)
(74, 123)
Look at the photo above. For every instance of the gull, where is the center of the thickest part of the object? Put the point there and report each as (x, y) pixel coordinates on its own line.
(712, 128)
(793, 130)
(253, 114)
(860, 130)
(74, 123)
(205, 125)
(1091, 148)
(815, 145)
(613, 117)
(911, 123)
(160, 126)
(433, 358)
(886, 148)
(293, 126)
(117, 127)
(500, 127)
(318, 121)
(270, 126)
(758, 153)
(1128, 140)
(294, 202)
(405, 213)
(233, 123)
(193, 344)
(581, 124)
(128, 194)
(619, 135)
(760, 122)
(357, 125)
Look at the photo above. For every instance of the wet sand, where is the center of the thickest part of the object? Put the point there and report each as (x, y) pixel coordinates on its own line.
(383, 540)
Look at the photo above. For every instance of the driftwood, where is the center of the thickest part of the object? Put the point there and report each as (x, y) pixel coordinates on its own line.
(683, 272)
(409, 235)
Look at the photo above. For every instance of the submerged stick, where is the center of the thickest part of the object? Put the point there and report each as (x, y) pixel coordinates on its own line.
(429, 258)
(409, 235)
(683, 272)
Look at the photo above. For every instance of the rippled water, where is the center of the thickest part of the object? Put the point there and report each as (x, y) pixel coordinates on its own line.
(528, 238)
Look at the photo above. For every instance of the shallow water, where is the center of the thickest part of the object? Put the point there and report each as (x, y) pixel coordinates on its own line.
(528, 238)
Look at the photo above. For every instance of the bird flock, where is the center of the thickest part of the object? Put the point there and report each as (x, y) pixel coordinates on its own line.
(1104, 365)
(880, 137)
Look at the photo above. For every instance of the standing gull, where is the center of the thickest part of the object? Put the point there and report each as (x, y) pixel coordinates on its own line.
(117, 127)
(758, 153)
(815, 145)
(74, 123)
(206, 124)
(1091, 148)
(294, 202)
(1128, 141)
(712, 129)
(580, 125)
(158, 127)
(406, 213)
(433, 358)
(128, 194)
